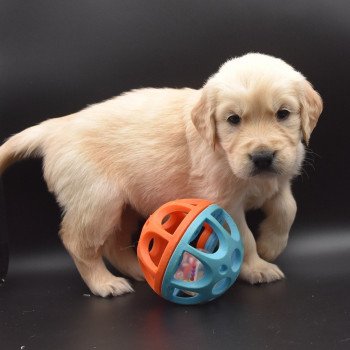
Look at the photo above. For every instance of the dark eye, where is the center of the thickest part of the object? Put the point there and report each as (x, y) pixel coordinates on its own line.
(234, 119)
(282, 114)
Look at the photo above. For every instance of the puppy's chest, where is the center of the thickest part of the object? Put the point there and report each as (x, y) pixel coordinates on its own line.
(257, 194)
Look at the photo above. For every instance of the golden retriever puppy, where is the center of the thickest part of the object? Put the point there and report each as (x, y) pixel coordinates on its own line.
(237, 141)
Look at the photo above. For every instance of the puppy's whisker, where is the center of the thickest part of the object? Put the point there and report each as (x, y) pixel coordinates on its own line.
(310, 164)
(310, 160)
(127, 247)
(310, 151)
(303, 171)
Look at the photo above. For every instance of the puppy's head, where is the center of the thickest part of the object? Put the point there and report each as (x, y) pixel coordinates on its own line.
(258, 109)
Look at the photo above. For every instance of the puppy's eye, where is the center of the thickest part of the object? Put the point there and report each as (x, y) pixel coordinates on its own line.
(234, 119)
(282, 114)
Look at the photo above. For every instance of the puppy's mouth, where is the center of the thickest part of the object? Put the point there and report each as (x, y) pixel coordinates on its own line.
(265, 172)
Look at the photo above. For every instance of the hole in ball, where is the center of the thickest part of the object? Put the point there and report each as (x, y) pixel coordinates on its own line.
(182, 293)
(190, 269)
(236, 260)
(223, 269)
(165, 219)
(150, 245)
(221, 286)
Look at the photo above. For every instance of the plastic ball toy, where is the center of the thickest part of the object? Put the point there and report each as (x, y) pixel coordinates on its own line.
(190, 251)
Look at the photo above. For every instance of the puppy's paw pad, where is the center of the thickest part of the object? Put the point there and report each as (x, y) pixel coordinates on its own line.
(115, 286)
(261, 272)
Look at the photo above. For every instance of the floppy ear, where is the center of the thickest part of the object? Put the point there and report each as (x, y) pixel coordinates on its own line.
(203, 117)
(311, 108)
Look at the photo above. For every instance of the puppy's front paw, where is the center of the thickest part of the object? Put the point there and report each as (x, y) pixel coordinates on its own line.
(270, 246)
(114, 286)
(260, 271)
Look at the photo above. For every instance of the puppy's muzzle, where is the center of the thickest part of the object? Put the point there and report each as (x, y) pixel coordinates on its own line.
(263, 161)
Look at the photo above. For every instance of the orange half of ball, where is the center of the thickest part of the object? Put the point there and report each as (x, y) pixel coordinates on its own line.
(161, 234)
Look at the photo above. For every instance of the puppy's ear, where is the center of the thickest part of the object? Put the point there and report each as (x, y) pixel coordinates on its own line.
(311, 108)
(203, 116)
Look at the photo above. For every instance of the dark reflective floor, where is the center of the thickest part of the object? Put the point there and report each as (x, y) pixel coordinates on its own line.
(45, 305)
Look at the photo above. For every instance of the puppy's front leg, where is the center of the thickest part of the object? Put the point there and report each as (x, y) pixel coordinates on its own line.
(274, 230)
(254, 269)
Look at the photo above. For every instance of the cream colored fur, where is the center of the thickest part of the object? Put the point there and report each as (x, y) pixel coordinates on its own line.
(127, 156)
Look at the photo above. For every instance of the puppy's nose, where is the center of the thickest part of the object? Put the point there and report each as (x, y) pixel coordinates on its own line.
(262, 159)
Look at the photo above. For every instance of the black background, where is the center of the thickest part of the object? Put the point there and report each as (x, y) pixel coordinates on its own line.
(56, 57)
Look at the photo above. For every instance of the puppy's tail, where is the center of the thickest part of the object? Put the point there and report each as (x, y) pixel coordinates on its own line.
(27, 143)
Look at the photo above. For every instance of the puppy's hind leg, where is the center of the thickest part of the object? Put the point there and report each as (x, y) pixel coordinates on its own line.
(84, 238)
(119, 250)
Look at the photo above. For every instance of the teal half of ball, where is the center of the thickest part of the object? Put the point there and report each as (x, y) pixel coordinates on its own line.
(221, 259)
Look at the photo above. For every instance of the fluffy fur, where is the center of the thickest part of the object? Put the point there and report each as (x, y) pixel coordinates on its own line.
(127, 156)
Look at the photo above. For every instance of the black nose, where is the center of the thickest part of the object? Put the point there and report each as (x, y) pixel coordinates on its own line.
(262, 159)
